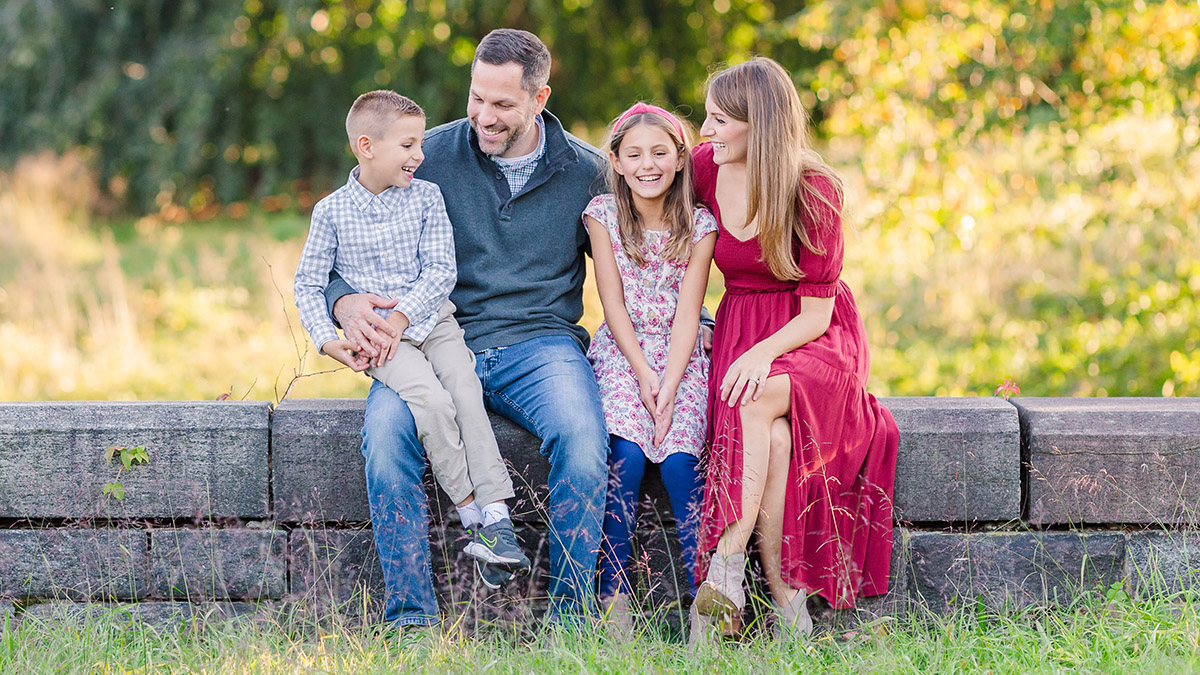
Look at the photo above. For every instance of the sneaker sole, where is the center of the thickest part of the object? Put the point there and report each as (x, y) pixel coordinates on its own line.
(487, 555)
(482, 578)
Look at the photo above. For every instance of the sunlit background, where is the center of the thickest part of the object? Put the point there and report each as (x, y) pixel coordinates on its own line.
(1022, 176)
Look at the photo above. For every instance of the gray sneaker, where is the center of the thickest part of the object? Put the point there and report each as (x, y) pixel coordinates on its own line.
(495, 576)
(496, 544)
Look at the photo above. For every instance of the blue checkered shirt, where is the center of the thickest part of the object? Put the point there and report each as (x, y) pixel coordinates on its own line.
(397, 244)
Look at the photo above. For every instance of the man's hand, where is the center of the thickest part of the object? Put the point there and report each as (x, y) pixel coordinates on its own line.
(706, 337)
(343, 352)
(366, 331)
(398, 321)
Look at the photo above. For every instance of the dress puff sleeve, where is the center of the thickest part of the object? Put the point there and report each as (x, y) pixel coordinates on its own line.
(704, 175)
(703, 224)
(820, 273)
(600, 208)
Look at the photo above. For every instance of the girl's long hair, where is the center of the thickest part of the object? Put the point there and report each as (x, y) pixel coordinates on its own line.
(780, 161)
(678, 210)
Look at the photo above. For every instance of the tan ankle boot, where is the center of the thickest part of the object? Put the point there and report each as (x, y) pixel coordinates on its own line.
(701, 631)
(794, 620)
(618, 616)
(721, 596)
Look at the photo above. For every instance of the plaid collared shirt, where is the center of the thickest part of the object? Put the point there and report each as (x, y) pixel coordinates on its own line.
(518, 171)
(397, 244)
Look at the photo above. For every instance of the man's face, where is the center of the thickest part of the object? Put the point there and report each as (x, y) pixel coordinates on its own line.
(501, 111)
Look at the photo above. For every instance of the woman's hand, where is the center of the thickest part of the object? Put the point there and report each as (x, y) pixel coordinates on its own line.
(664, 411)
(746, 376)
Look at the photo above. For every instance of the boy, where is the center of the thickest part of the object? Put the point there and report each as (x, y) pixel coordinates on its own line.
(388, 233)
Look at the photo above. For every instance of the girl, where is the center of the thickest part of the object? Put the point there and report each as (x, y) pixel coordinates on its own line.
(652, 247)
(800, 452)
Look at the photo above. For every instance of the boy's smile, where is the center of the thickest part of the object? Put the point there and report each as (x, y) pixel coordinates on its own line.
(394, 157)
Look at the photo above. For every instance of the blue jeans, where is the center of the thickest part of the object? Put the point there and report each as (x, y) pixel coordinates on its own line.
(399, 515)
(685, 487)
(547, 386)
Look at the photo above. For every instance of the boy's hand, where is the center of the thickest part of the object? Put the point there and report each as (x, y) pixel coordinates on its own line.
(365, 329)
(398, 321)
(343, 352)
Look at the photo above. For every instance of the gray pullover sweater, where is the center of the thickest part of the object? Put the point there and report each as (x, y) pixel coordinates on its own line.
(520, 257)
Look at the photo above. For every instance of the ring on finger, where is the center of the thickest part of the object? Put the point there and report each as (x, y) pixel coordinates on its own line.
(755, 381)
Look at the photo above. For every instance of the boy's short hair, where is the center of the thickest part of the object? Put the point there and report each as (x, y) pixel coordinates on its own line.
(374, 111)
(509, 45)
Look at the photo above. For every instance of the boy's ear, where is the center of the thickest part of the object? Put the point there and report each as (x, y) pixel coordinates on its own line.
(362, 146)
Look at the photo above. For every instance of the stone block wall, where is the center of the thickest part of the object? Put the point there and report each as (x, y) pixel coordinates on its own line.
(240, 507)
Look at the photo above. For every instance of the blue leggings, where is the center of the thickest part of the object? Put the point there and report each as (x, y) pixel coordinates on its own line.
(685, 487)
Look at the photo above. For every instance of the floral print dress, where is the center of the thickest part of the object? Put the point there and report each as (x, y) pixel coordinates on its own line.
(651, 295)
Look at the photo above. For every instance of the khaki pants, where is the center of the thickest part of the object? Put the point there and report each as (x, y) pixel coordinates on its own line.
(436, 378)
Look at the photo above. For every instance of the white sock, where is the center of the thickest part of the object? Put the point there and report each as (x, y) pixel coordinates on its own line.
(494, 513)
(470, 515)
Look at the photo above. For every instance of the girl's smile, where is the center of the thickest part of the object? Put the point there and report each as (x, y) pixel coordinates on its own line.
(648, 161)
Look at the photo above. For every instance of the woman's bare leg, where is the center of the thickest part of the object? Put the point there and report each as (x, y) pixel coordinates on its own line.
(758, 417)
(770, 517)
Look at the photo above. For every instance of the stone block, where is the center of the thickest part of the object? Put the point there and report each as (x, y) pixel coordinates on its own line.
(1111, 460)
(1163, 562)
(1012, 569)
(336, 568)
(959, 460)
(76, 564)
(218, 564)
(7, 612)
(893, 603)
(206, 459)
(317, 464)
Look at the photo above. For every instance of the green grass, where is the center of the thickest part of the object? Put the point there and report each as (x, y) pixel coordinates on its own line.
(1121, 636)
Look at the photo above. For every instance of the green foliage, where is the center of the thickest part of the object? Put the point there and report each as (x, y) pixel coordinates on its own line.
(1020, 175)
(193, 103)
(128, 457)
(1021, 180)
(1156, 635)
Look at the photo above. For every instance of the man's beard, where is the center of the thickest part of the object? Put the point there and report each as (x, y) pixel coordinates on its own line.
(514, 135)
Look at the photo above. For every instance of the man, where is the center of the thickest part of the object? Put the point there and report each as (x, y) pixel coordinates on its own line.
(515, 184)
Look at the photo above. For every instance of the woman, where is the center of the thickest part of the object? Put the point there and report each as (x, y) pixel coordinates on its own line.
(800, 452)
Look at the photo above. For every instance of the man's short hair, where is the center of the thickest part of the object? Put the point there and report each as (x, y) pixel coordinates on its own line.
(375, 110)
(509, 45)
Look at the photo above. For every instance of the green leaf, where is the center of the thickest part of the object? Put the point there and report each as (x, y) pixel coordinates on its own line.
(110, 451)
(139, 455)
(114, 490)
(126, 457)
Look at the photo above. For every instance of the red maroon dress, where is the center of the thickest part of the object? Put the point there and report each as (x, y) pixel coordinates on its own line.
(837, 527)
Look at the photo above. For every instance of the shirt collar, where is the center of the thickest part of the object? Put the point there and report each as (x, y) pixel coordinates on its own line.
(531, 157)
(363, 198)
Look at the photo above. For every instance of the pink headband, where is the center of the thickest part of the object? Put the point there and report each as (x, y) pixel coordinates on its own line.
(641, 107)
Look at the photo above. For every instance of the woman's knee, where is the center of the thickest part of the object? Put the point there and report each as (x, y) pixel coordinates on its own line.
(781, 436)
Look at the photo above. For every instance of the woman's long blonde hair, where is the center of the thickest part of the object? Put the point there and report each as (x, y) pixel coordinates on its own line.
(678, 211)
(780, 159)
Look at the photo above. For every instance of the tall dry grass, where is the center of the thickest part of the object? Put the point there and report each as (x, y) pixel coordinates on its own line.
(176, 312)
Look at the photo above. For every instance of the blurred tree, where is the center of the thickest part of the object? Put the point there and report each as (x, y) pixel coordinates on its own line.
(190, 102)
(1021, 172)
